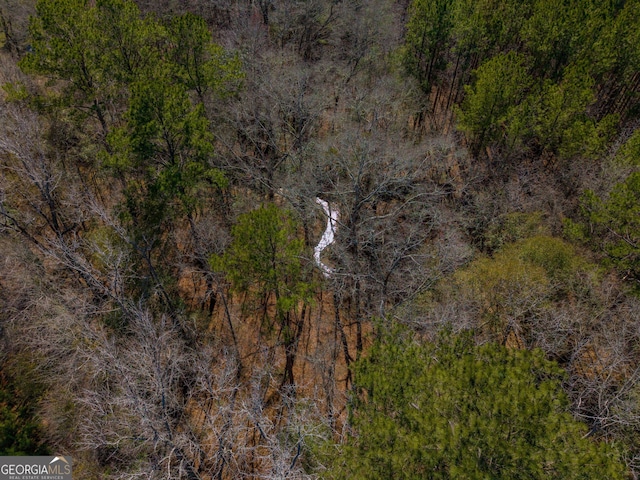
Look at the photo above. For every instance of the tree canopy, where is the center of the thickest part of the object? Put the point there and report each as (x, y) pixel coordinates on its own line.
(536, 76)
(456, 410)
(168, 169)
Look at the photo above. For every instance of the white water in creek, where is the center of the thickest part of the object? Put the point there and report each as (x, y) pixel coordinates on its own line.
(328, 236)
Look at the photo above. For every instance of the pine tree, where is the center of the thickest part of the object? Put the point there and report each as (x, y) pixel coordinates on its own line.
(456, 410)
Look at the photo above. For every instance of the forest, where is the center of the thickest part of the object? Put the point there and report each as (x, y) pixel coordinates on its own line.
(313, 239)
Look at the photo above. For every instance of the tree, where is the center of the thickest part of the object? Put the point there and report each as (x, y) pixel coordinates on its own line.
(455, 410)
(553, 34)
(573, 68)
(146, 82)
(510, 297)
(70, 43)
(428, 31)
(611, 222)
(618, 47)
(386, 217)
(487, 27)
(203, 66)
(560, 121)
(265, 261)
(487, 113)
(162, 151)
(445, 40)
